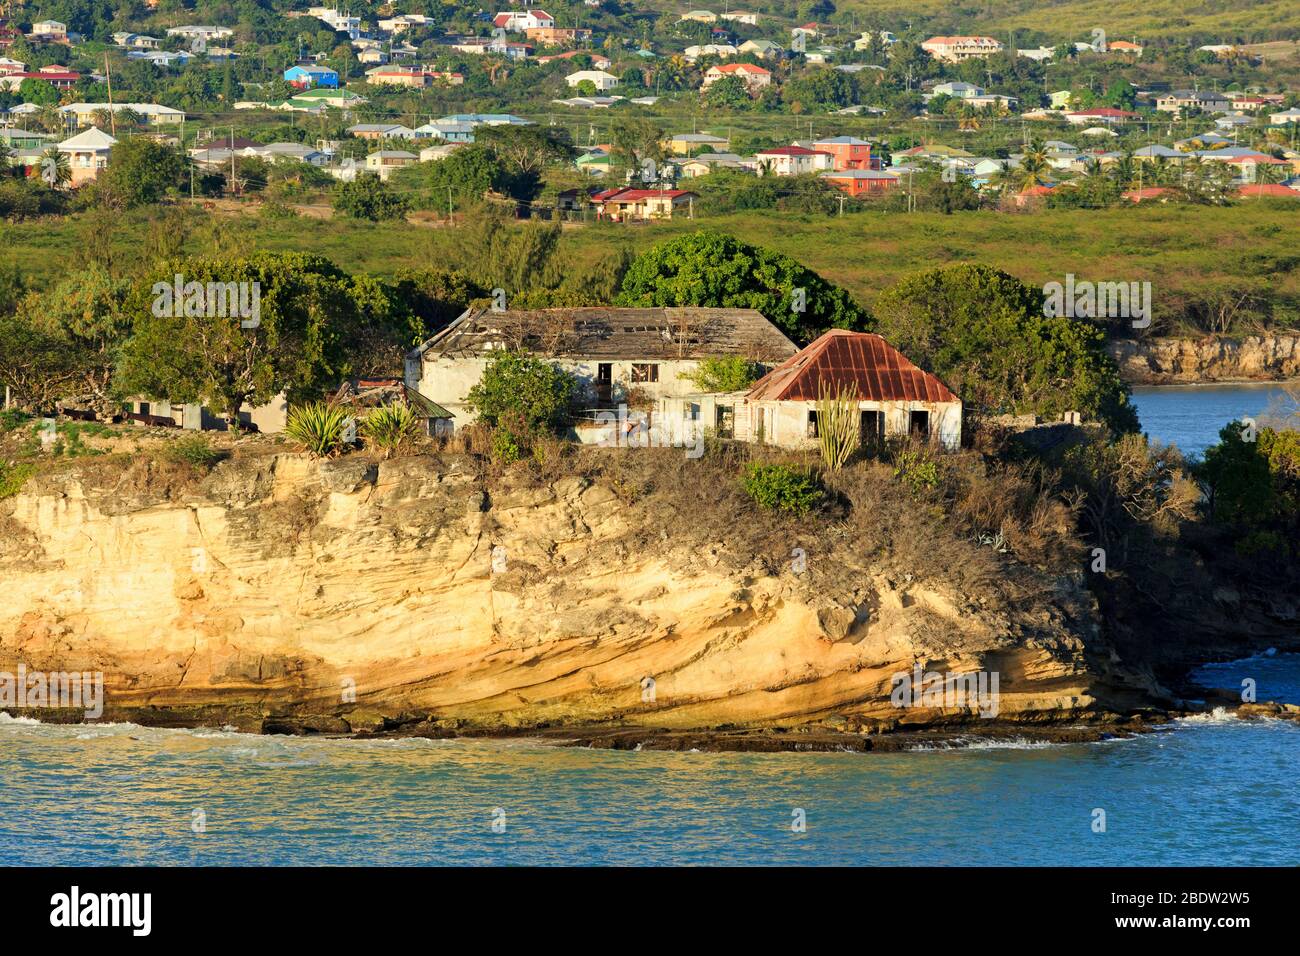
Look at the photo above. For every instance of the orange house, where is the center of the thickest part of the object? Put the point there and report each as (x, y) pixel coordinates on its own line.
(849, 152)
(860, 182)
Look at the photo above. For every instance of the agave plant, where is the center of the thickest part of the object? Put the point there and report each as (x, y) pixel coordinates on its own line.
(390, 427)
(319, 427)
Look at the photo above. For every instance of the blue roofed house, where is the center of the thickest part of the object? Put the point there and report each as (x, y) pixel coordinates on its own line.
(305, 77)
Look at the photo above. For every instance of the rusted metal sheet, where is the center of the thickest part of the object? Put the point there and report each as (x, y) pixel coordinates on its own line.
(856, 360)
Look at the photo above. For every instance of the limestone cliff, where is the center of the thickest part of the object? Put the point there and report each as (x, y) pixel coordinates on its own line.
(1169, 361)
(278, 583)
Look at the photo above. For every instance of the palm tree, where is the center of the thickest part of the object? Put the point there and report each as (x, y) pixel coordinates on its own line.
(1034, 169)
(1269, 173)
(969, 120)
(1124, 171)
(56, 171)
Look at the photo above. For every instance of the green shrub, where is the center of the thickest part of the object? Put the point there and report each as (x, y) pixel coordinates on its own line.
(11, 418)
(515, 385)
(506, 447)
(728, 374)
(390, 427)
(319, 427)
(13, 477)
(194, 450)
(782, 488)
(916, 470)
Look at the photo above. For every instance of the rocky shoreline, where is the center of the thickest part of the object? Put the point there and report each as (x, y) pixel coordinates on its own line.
(1210, 360)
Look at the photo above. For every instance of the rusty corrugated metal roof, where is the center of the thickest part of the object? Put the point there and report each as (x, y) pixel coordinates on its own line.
(858, 360)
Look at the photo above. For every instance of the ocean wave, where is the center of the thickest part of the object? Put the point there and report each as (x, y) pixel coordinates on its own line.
(7, 718)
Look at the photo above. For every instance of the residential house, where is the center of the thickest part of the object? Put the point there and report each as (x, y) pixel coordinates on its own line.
(204, 34)
(595, 162)
(1101, 114)
(56, 76)
(859, 182)
(413, 77)
(762, 48)
(338, 22)
(557, 36)
(447, 131)
(1060, 100)
(403, 22)
(631, 204)
(1269, 190)
(307, 76)
(706, 163)
(1124, 46)
(598, 78)
(318, 97)
(598, 60)
(617, 355)
(1038, 54)
(136, 41)
(954, 49)
(792, 161)
(1204, 100)
(520, 21)
(49, 31)
(847, 152)
(87, 153)
(722, 50)
(381, 131)
(698, 16)
(754, 77)
(683, 144)
(268, 419)
(12, 66)
(749, 19)
(151, 114)
(1286, 116)
(384, 161)
(892, 396)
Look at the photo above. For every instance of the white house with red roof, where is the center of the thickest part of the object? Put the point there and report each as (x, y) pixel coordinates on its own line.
(754, 77)
(890, 396)
(631, 203)
(1101, 114)
(521, 20)
(792, 161)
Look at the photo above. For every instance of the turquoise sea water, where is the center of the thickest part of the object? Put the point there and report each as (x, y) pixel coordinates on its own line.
(1212, 790)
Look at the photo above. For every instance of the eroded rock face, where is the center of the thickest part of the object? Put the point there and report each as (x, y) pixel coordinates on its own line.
(356, 594)
(1161, 361)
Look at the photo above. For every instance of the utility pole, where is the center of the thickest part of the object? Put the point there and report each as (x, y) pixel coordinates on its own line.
(108, 81)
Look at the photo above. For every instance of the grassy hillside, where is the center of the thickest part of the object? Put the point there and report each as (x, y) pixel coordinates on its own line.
(1245, 20)
(1195, 257)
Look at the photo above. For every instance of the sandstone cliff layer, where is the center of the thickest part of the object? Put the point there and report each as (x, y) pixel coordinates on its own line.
(1170, 361)
(351, 594)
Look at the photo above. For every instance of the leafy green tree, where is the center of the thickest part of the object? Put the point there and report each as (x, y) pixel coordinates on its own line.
(985, 333)
(307, 315)
(463, 177)
(140, 172)
(84, 312)
(520, 387)
(709, 268)
(730, 92)
(369, 197)
(40, 92)
(1235, 478)
(730, 373)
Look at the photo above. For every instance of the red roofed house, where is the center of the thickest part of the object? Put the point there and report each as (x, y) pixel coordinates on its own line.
(1268, 190)
(792, 161)
(522, 20)
(1148, 193)
(621, 205)
(893, 396)
(1102, 114)
(754, 77)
